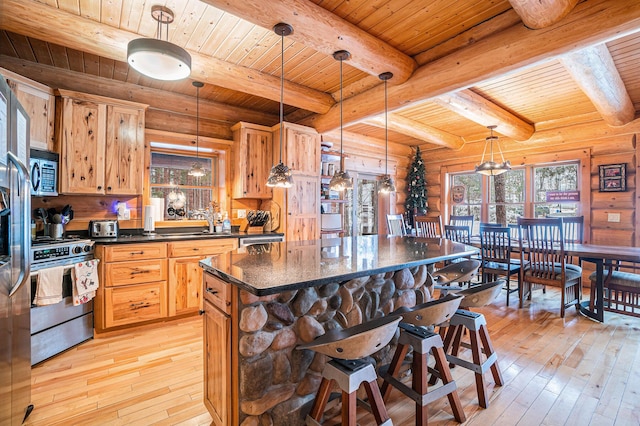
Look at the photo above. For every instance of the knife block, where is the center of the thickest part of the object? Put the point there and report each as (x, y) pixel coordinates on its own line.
(255, 229)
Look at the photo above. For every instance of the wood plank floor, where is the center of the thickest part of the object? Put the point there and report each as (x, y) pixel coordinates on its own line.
(557, 372)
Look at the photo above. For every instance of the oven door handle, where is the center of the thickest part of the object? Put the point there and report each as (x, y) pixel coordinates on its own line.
(24, 195)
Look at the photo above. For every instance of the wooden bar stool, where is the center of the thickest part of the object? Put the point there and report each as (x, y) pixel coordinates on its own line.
(346, 348)
(414, 334)
(458, 272)
(476, 324)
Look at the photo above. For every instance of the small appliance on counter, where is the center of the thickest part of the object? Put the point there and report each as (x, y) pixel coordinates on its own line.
(103, 228)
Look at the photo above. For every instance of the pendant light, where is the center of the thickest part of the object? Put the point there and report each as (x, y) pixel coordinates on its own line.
(341, 179)
(157, 58)
(280, 175)
(491, 168)
(386, 184)
(196, 169)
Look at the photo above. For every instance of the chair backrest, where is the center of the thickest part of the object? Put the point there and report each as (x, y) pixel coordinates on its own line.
(543, 249)
(428, 226)
(458, 233)
(395, 225)
(458, 220)
(495, 243)
(573, 228)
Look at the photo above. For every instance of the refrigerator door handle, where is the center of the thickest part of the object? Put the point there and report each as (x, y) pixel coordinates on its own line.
(25, 199)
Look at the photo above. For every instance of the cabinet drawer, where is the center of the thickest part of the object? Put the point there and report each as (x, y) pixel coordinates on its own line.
(126, 273)
(135, 303)
(217, 292)
(202, 247)
(120, 252)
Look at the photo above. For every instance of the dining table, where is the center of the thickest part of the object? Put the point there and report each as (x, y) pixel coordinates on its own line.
(602, 256)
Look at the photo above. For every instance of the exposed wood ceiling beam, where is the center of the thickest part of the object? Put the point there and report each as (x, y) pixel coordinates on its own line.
(596, 74)
(590, 23)
(103, 40)
(321, 30)
(155, 98)
(482, 111)
(418, 130)
(536, 14)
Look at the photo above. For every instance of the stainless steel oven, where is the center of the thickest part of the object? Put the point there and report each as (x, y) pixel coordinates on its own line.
(58, 327)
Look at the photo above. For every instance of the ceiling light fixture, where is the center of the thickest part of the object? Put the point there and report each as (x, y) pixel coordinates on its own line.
(386, 184)
(197, 170)
(280, 175)
(157, 58)
(491, 168)
(341, 179)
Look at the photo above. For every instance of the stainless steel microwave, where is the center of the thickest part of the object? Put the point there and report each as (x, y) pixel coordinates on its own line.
(44, 173)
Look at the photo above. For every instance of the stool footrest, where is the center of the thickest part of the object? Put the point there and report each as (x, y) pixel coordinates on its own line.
(480, 369)
(425, 399)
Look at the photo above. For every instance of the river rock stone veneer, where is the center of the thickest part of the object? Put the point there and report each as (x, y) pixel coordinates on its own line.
(277, 380)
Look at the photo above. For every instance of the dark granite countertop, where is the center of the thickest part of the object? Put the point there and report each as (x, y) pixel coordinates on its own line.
(265, 269)
(129, 238)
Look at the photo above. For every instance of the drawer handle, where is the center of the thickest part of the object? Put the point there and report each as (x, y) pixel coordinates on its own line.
(196, 249)
(137, 305)
(137, 252)
(139, 271)
(212, 291)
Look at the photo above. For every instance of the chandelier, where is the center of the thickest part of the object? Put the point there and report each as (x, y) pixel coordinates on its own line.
(490, 167)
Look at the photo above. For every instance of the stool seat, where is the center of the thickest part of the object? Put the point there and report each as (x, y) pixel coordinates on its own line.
(348, 371)
(457, 272)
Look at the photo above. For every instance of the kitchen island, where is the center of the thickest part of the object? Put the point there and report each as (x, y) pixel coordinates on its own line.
(262, 301)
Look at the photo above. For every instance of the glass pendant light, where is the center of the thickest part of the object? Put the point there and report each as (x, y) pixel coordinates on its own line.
(196, 169)
(280, 175)
(491, 168)
(157, 58)
(341, 179)
(386, 184)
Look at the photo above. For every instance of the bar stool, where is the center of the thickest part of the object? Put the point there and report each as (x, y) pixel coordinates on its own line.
(458, 272)
(413, 334)
(476, 324)
(346, 348)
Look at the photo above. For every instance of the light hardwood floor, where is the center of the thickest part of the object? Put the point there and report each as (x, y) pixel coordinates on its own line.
(557, 372)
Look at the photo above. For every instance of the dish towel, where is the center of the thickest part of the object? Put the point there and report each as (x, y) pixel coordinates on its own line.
(85, 277)
(49, 286)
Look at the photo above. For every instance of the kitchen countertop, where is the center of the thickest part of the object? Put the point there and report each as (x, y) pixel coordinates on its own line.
(130, 238)
(272, 268)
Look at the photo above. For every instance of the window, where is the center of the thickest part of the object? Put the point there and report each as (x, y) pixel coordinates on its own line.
(554, 178)
(471, 199)
(185, 196)
(511, 204)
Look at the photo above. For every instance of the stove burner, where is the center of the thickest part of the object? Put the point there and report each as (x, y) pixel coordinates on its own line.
(44, 239)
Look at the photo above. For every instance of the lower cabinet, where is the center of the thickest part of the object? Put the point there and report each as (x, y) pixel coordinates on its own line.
(135, 303)
(217, 365)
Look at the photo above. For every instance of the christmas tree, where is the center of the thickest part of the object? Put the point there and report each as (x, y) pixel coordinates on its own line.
(416, 188)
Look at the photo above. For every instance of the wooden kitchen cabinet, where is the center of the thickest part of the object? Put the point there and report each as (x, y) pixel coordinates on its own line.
(101, 144)
(39, 102)
(301, 148)
(252, 160)
(185, 273)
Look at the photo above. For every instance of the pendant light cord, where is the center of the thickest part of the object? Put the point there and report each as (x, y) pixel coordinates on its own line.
(341, 155)
(197, 121)
(386, 130)
(281, 93)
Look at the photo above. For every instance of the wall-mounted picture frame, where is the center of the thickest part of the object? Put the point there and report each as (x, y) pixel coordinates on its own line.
(613, 177)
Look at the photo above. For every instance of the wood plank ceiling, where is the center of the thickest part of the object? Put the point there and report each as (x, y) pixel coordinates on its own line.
(462, 65)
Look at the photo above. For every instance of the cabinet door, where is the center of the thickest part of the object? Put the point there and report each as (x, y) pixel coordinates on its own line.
(217, 365)
(255, 154)
(82, 137)
(135, 303)
(303, 211)
(303, 151)
(134, 272)
(40, 105)
(124, 167)
(185, 285)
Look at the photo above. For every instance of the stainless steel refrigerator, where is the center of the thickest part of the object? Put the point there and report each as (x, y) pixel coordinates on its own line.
(15, 241)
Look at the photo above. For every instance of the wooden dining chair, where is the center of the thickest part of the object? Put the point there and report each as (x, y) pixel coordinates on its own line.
(573, 229)
(495, 252)
(395, 225)
(543, 261)
(428, 226)
(459, 220)
(458, 233)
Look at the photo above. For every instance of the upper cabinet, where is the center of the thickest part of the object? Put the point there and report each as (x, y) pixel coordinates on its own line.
(301, 148)
(101, 144)
(252, 160)
(39, 102)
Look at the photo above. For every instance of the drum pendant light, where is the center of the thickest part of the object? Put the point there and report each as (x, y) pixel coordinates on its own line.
(197, 170)
(157, 58)
(386, 184)
(491, 168)
(280, 175)
(341, 179)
